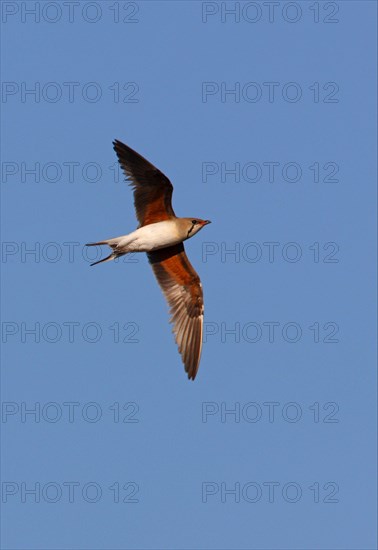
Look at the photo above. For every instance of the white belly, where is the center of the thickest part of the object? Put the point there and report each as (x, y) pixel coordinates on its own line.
(151, 237)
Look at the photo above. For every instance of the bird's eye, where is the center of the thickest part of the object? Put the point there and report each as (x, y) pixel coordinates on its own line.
(194, 222)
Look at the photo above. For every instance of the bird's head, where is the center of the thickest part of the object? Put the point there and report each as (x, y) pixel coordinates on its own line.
(191, 226)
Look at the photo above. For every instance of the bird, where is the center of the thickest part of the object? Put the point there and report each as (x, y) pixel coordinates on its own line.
(161, 235)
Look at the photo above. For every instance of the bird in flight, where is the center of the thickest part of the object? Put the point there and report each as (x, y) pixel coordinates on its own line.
(161, 234)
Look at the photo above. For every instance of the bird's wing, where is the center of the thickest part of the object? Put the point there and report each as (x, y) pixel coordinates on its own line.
(183, 291)
(152, 189)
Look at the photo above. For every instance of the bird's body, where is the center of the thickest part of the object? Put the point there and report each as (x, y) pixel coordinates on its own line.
(151, 237)
(161, 234)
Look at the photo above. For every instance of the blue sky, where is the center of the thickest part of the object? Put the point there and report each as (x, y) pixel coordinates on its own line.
(264, 118)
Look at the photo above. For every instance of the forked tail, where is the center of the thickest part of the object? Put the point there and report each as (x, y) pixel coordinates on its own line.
(113, 255)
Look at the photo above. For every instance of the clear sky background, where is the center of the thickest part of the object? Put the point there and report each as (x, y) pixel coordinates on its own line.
(264, 120)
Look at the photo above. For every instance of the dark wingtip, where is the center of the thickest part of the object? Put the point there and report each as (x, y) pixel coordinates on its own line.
(117, 144)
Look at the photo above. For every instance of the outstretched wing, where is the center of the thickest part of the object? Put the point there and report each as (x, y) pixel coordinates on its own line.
(152, 189)
(183, 291)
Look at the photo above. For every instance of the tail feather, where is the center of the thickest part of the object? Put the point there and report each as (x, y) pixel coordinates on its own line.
(96, 244)
(112, 256)
(113, 243)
